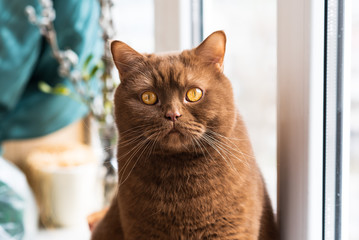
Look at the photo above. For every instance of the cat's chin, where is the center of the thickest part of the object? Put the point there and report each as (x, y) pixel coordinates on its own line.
(175, 142)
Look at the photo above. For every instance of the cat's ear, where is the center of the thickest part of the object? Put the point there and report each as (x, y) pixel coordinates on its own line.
(212, 49)
(124, 57)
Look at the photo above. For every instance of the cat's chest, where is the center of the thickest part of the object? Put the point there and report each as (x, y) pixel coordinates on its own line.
(180, 198)
(181, 204)
(181, 189)
(182, 181)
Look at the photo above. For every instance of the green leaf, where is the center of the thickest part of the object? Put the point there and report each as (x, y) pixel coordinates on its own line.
(94, 70)
(87, 61)
(44, 87)
(61, 90)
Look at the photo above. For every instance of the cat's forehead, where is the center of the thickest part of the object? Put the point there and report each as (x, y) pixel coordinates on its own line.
(164, 59)
(170, 70)
(164, 54)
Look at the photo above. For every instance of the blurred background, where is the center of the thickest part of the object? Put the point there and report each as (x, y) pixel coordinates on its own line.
(159, 25)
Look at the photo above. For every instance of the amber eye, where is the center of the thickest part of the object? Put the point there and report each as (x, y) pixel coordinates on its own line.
(194, 94)
(149, 98)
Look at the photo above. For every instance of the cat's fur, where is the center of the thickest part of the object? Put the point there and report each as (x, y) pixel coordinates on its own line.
(201, 182)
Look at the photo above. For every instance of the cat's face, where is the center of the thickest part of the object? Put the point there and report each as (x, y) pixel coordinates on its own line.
(174, 100)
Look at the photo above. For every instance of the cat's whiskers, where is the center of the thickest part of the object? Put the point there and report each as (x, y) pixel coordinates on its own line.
(137, 138)
(220, 149)
(135, 135)
(217, 149)
(240, 128)
(132, 149)
(204, 147)
(193, 129)
(144, 146)
(130, 130)
(133, 139)
(143, 150)
(228, 140)
(227, 158)
(222, 136)
(156, 129)
(149, 147)
(184, 146)
(135, 150)
(234, 147)
(229, 151)
(153, 146)
(194, 145)
(201, 148)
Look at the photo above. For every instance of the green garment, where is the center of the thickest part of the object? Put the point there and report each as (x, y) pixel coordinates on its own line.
(26, 59)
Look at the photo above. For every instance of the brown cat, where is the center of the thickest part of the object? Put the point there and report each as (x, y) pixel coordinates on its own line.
(186, 166)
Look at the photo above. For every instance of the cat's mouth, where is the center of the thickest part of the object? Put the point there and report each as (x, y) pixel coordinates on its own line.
(174, 130)
(179, 136)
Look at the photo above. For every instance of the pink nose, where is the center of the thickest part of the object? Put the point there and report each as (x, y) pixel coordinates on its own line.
(173, 115)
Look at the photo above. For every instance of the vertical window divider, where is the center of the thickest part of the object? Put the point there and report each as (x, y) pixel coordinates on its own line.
(345, 72)
(336, 121)
(300, 73)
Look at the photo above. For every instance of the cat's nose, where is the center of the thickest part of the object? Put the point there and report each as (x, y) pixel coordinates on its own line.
(173, 115)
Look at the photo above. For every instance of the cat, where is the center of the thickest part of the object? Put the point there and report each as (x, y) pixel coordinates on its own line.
(186, 165)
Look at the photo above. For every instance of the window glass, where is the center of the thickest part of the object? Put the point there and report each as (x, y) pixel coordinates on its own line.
(134, 23)
(354, 155)
(250, 63)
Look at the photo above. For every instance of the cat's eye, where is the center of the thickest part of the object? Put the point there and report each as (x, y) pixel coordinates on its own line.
(194, 94)
(149, 98)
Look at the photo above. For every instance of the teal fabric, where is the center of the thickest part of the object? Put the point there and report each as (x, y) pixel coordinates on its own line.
(26, 59)
(18, 210)
(11, 213)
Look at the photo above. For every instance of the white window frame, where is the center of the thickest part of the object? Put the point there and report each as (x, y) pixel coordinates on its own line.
(301, 51)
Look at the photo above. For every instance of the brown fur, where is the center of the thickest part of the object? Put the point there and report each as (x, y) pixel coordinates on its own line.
(201, 183)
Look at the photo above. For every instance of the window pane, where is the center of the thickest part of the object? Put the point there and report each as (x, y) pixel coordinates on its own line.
(134, 23)
(250, 64)
(354, 156)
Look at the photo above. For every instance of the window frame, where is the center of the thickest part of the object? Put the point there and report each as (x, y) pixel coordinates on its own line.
(300, 77)
(311, 115)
